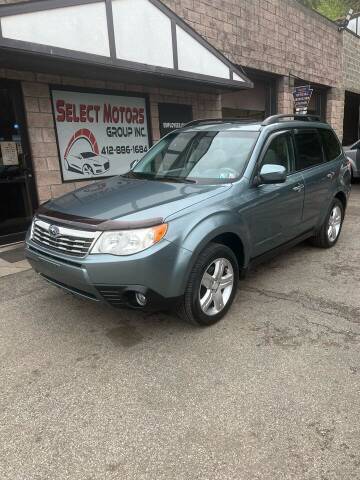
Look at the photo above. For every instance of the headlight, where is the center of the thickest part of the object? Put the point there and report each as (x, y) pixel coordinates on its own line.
(32, 227)
(127, 242)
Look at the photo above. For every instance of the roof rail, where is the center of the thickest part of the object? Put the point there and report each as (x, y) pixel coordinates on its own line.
(302, 117)
(209, 121)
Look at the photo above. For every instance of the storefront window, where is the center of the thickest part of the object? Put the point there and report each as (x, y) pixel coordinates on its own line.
(16, 205)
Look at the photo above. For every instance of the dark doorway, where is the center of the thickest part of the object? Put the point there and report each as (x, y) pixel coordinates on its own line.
(17, 188)
(351, 118)
(173, 116)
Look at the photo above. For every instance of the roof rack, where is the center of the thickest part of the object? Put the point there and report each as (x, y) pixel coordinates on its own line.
(209, 121)
(301, 117)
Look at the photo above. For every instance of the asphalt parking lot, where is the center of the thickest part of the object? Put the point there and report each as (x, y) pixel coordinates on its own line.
(272, 392)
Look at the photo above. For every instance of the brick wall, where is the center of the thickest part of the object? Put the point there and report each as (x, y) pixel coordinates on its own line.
(41, 127)
(352, 62)
(273, 35)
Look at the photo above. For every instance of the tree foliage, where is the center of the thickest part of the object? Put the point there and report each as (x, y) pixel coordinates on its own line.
(333, 9)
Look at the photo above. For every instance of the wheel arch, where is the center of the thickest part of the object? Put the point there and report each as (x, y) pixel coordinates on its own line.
(234, 242)
(224, 236)
(342, 197)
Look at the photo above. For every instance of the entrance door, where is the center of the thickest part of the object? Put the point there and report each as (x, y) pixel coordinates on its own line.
(17, 188)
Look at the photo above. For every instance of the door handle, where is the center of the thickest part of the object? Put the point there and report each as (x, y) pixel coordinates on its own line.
(299, 187)
(330, 175)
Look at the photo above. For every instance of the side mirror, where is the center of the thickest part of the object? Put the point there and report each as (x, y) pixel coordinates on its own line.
(271, 173)
(134, 163)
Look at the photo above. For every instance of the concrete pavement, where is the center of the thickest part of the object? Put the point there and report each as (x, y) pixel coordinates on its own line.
(271, 392)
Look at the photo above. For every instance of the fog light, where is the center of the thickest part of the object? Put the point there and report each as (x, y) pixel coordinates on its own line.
(141, 299)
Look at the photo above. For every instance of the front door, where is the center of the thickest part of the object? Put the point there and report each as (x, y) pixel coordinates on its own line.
(274, 212)
(17, 188)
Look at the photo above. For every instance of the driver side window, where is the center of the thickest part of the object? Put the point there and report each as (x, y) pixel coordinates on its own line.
(280, 152)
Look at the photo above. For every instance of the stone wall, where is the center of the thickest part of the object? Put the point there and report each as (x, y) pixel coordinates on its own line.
(276, 36)
(41, 126)
(352, 62)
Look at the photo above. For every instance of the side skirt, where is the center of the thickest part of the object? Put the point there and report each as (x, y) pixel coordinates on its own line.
(276, 251)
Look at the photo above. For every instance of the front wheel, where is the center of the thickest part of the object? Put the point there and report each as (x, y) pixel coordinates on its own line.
(212, 286)
(330, 230)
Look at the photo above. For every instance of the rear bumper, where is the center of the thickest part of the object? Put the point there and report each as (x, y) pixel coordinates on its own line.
(157, 273)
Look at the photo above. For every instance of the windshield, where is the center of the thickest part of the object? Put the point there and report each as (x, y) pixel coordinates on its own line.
(198, 156)
(88, 154)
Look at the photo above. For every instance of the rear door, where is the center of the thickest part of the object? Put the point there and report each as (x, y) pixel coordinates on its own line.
(274, 212)
(319, 174)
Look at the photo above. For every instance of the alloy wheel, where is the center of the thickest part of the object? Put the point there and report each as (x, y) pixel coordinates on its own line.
(216, 286)
(334, 223)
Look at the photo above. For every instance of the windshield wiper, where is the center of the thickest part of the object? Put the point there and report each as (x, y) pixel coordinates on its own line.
(149, 176)
(174, 179)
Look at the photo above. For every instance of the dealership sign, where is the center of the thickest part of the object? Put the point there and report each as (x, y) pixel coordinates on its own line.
(302, 96)
(99, 135)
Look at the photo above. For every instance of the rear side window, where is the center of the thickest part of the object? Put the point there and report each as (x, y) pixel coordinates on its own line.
(331, 144)
(309, 149)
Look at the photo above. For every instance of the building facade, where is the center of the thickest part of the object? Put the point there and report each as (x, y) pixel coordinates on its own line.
(228, 58)
(279, 37)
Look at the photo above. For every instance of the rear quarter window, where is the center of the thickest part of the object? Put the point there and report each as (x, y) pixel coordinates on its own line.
(331, 145)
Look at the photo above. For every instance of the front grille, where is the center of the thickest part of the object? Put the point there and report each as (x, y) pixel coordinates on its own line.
(65, 240)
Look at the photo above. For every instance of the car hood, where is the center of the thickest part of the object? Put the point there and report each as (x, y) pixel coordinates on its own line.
(130, 200)
(99, 159)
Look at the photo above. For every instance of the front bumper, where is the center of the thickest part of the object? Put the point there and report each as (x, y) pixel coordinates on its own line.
(159, 273)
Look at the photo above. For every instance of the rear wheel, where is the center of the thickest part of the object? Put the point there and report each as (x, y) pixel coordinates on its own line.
(212, 286)
(330, 230)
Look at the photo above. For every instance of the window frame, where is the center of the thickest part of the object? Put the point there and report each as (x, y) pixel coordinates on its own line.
(337, 141)
(323, 154)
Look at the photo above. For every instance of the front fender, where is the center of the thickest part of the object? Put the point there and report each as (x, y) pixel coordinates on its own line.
(194, 233)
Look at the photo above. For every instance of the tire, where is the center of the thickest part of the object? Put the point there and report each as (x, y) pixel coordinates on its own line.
(322, 238)
(218, 262)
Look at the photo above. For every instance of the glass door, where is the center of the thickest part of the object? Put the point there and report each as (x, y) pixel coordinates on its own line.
(17, 187)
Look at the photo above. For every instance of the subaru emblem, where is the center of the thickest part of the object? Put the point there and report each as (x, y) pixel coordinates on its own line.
(54, 231)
